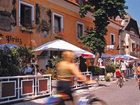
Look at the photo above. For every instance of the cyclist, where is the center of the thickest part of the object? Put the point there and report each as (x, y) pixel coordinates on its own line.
(66, 70)
(138, 72)
(118, 74)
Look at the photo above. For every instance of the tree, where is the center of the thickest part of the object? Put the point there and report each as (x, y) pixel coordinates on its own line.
(103, 11)
(13, 59)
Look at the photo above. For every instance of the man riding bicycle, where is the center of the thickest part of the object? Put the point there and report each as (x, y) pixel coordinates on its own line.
(118, 74)
(66, 70)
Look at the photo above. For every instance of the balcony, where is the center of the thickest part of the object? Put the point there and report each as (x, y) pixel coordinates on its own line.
(110, 47)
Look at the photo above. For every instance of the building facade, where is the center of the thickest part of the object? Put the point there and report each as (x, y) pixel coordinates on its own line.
(34, 22)
(129, 37)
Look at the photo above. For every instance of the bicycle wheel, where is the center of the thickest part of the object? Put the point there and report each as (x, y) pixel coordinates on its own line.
(120, 82)
(99, 102)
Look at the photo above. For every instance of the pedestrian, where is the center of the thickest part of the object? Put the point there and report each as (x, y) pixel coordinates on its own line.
(138, 72)
(28, 69)
(50, 65)
(82, 65)
(134, 70)
(123, 69)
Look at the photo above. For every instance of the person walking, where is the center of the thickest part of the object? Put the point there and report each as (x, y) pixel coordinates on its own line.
(134, 71)
(138, 72)
(123, 69)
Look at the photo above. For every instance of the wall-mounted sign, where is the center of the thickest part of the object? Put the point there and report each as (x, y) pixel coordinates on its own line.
(10, 38)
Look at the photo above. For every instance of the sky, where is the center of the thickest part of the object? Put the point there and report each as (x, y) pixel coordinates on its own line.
(134, 9)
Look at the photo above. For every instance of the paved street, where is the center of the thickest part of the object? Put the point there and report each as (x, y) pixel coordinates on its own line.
(112, 94)
(127, 95)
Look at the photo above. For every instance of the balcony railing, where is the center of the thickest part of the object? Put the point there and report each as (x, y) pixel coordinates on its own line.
(110, 47)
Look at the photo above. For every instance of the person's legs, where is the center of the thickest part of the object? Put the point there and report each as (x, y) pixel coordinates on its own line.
(64, 87)
(138, 79)
(117, 80)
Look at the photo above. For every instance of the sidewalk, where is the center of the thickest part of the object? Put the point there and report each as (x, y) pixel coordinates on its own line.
(41, 101)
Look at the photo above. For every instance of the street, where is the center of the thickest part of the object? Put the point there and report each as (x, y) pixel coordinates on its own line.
(112, 94)
(127, 95)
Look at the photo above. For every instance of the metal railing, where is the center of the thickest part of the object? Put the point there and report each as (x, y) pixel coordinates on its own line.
(77, 84)
(16, 88)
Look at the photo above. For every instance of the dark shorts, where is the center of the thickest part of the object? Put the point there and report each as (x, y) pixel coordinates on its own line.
(65, 87)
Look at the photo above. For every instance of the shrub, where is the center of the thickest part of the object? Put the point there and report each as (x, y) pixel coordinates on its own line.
(11, 60)
(96, 70)
(110, 68)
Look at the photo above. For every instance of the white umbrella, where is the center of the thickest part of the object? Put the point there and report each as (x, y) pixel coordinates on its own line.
(8, 45)
(131, 57)
(126, 57)
(59, 45)
(85, 54)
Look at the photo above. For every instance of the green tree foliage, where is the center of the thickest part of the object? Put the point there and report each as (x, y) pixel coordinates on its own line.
(102, 11)
(12, 60)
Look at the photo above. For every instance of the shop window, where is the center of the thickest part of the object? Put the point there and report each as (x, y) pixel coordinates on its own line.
(26, 14)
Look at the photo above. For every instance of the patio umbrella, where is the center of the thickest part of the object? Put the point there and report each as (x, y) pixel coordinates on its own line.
(85, 54)
(59, 45)
(88, 55)
(124, 57)
(131, 57)
(2, 46)
(105, 56)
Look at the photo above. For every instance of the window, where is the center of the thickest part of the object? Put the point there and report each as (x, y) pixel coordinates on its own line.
(137, 47)
(57, 23)
(133, 46)
(26, 14)
(112, 39)
(80, 29)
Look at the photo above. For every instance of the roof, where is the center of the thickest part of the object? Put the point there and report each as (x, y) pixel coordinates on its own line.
(131, 25)
(73, 2)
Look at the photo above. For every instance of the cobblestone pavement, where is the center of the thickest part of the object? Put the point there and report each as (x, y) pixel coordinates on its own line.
(127, 95)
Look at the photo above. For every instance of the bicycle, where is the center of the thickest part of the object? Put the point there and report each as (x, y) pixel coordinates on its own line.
(85, 98)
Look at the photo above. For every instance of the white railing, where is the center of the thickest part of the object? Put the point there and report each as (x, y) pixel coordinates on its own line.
(16, 88)
(110, 47)
(77, 84)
